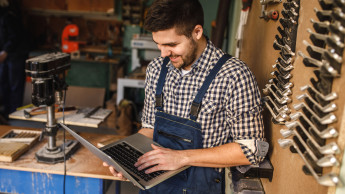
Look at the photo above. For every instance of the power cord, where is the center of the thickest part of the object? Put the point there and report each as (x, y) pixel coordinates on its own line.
(64, 141)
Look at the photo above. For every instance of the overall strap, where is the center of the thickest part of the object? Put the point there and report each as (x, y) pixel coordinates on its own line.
(196, 104)
(160, 84)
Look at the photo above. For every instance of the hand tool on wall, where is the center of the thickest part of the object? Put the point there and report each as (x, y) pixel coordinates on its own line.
(329, 179)
(287, 64)
(338, 15)
(290, 13)
(319, 53)
(333, 41)
(329, 97)
(280, 84)
(311, 62)
(282, 91)
(326, 109)
(315, 96)
(326, 4)
(329, 132)
(276, 105)
(281, 99)
(322, 81)
(277, 117)
(320, 27)
(323, 15)
(272, 14)
(288, 59)
(291, 4)
(324, 161)
(326, 119)
(285, 67)
(330, 148)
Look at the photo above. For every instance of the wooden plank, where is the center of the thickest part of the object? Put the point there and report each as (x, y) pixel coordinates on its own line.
(83, 163)
(10, 151)
(71, 117)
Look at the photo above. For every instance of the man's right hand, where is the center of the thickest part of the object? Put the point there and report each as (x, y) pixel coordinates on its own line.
(114, 172)
(144, 131)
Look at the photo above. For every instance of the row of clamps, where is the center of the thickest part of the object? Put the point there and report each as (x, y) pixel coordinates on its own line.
(278, 92)
(313, 136)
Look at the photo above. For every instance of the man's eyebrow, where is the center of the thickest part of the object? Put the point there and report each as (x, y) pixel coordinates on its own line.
(169, 43)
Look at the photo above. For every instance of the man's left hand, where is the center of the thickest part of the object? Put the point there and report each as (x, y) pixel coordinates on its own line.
(161, 159)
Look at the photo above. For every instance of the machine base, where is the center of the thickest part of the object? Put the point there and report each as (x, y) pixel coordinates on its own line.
(46, 156)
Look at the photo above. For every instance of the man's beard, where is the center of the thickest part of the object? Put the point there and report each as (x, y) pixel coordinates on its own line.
(191, 57)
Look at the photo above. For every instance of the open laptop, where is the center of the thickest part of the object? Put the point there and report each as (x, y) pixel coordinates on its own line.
(123, 154)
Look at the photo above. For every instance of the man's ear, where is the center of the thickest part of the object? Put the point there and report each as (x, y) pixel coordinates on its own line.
(198, 32)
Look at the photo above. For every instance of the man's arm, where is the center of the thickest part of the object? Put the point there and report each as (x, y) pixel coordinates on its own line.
(225, 155)
(166, 159)
(147, 132)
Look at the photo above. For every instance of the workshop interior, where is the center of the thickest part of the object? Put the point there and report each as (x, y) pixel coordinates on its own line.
(86, 68)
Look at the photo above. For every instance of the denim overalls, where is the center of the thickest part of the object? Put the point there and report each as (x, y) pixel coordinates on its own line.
(180, 134)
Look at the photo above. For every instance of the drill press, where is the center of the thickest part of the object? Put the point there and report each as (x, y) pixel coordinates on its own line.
(48, 85)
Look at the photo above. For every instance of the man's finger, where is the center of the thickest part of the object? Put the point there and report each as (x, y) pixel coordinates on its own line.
(105, 164)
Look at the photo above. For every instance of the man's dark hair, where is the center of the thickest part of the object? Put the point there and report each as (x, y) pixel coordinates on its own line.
(182, 14)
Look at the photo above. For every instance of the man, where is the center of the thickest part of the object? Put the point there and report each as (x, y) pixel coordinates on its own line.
(13, 53)
(205, 127)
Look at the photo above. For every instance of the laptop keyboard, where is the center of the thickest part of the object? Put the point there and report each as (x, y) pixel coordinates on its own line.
(127, 156)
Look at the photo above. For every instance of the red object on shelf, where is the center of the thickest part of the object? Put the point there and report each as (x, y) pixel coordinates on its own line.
(69, 46)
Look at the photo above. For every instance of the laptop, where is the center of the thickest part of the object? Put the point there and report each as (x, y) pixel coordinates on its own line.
(123, 154)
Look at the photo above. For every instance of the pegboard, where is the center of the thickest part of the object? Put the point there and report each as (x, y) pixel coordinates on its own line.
(258, 52)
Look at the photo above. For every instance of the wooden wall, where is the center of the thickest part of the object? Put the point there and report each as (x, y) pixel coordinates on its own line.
(259, 54)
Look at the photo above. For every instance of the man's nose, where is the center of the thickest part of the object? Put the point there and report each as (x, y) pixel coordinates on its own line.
(165, 51)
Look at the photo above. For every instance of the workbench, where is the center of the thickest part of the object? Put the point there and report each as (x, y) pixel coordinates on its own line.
(84, 171)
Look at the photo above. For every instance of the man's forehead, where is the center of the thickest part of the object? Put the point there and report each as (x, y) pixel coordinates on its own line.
(166, 36)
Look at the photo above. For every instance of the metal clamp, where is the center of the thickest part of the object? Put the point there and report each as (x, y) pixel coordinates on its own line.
(326, 161)
(326, 109)
(331, 148)
(330, 132)
(327, 119)
(329, 179)
(329, 97)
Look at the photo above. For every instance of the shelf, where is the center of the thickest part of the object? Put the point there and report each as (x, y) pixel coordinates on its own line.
(83, 14)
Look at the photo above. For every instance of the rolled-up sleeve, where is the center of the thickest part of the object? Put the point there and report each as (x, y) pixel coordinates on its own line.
(244, 115)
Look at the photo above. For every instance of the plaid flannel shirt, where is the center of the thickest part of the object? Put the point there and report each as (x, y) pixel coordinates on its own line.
(231, 108)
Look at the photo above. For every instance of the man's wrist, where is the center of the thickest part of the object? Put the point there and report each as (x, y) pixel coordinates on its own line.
(186, 158)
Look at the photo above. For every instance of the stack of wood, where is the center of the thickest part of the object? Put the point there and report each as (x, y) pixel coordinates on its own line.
(15, 142)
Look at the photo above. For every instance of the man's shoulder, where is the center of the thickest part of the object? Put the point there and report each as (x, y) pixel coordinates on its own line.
(154, 66)
(234, 67)
(156, 63)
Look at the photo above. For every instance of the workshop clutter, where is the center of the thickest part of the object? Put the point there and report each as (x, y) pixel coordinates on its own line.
(86, 22)
(124, 116)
